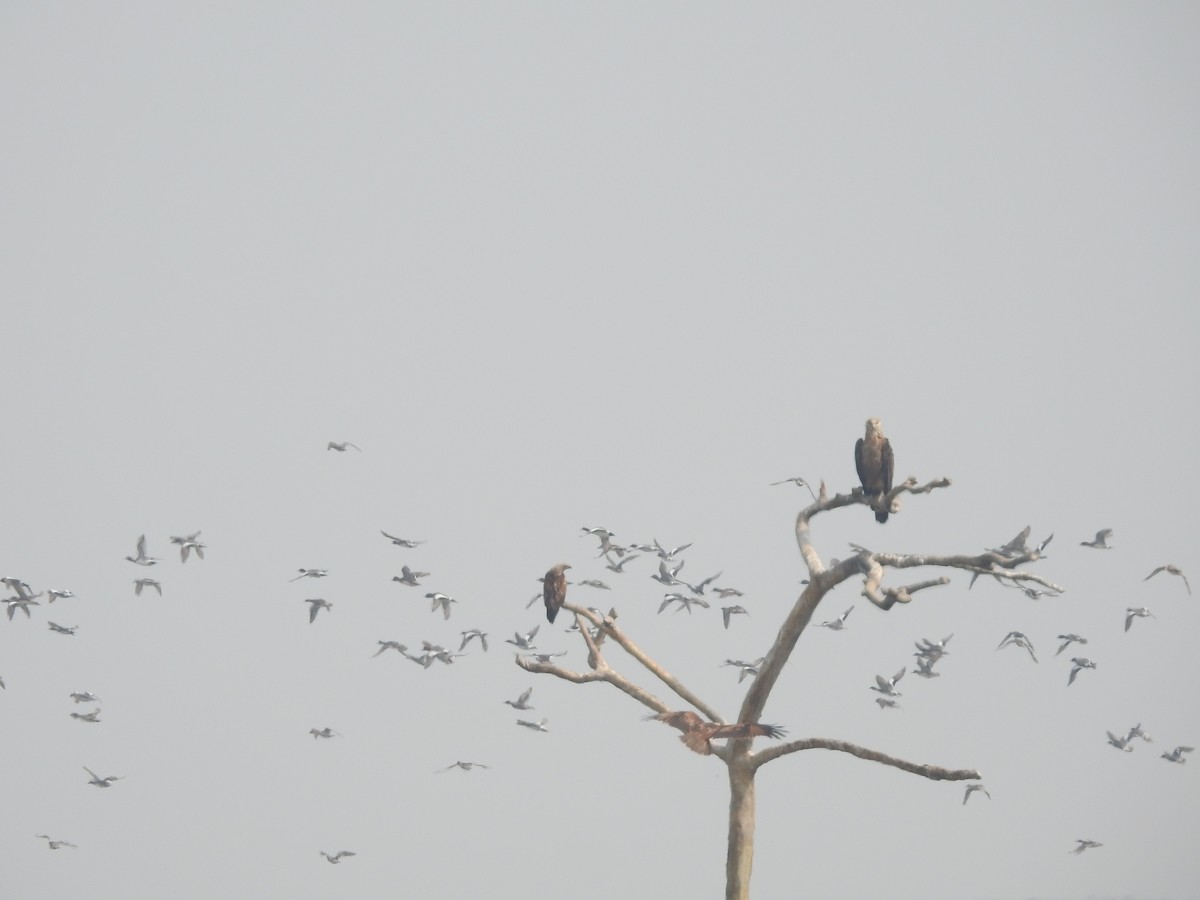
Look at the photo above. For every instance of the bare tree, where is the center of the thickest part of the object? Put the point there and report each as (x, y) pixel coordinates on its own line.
(1003, 564)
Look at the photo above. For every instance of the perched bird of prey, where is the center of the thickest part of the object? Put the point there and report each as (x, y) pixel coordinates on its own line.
(390, 645)
(1140, 613)
(1068, 640)
(535, 726)
(1080, 663)
(101, 782)
(596, 583)
(142, 583)
(142, 559)
(726, 593)
(1085, 845)
(668, 555)
(399, 541)
(554, 590)
(1169, 569)
(839, 623)
(439, 599)
(341, 447)
(1017, 639)
(84, 697)
(728, 611)
(325, 732)
(1121, 743)
(310, 573)
(93, 716)
(315, 606)
(1176, 755)
(888, 685)
(468, 636)
(465, 766)
(744, 668)
(666, 575)
(925, 666)
(53, 844)
(619, 566)
(521, 702)
(62, 629)
(698, 734)
(874, 461)
(972, 788)
(523, 641)
(887, 703)
(1100, 542)
(59, 595)
(409, 577)
(341, 854)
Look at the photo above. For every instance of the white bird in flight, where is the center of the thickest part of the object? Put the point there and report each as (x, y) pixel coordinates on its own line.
(399, 541)
(521, 702)
(102, 782)
(315, 606)
(143, 583)
(1176, 755)
(888, 685)
(524, 641)
(409, 577)
(971, 788)
(142, 559)
(340, 855)
(471, 634)
(1169, 569)
(1140, 612)
(442, 600)
(535, 726)
(310, 573)
(839, 623)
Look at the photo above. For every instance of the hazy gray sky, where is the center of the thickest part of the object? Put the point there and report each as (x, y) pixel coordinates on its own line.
(554, 265)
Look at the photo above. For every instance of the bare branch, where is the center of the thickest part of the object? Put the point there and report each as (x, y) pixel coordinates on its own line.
(936, 773)
(891, 596)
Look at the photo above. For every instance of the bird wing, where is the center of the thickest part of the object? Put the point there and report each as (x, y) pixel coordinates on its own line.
(887, 464)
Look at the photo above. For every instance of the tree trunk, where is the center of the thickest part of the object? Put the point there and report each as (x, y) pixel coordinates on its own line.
(741, 830)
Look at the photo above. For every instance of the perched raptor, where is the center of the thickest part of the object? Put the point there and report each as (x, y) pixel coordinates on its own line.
(554, 590)
(873, 459)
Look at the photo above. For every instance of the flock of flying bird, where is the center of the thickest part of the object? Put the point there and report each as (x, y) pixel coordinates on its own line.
(874, 461)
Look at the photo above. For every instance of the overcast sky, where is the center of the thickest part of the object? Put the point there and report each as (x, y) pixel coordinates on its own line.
(555, 265)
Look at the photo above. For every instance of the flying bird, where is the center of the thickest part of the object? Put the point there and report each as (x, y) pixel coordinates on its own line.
(84, 697)
(1085, 845)
(310, 573)
(888, 685)
(53, 844)
(725, 593)
(521, 702)
(325, 732)
(1068, 640)
(728, 611)
(1121, 743)
(1080, 663)
(887, 703)
(925, 666)
(1176, 755)
(101, 782)
(439, 599)
(465, 766)
(619, 566)
(62, 629)
(93, 716)
(315, 606)
(596, 583)
(666, 575)
(341, 854)
(21, 603)
(409, 577)
(1100, 542)
(468, 636)
(874, 461)
(535, 726)
(1169, 569)
(390, 645)
(698, 734)
(972, 788)
(684, 601)
(744, 668)
(839, 623)
(142, 559)
(523, 641)
(554, 590)
(142, 583)
(59, 595)
(341, 447)
(1017, 639)
(1139, 613)
(668, 555)
(399, 541)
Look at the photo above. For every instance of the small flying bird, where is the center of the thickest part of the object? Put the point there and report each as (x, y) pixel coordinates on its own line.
(409, 577)
(84, 697)
(521, 702)
(726, 593)
(935, 649)
(666, 575)
(875, 463)
(684, 601)
(1136, 731)
(341, 447)
(1080, 663)
(142, 559)
(972, 788)
(1100, 542)
(1169, 569)
(93, 716)
(1121, 743)
(619, 566)
(310, 573)
(798, 482)
(1068, 640)
(59, 595)
(554, 590)
(839, 623)
(698, 734)
(102, 782)
(401, 542)
(21, 603)
(925, 666)
(465, 766)
(596, 583)
(888, 685)
(523, 641)
(744, 668)
(729, 611)
(341, 854)
(1176, 755)
(470, 635)
(62, 629)
(53, 844)
(1017, 639)
(1140, 613)
(1085, 845)
(390, 645)
(887, 703)
(535, 726)
(439, 599)
(185, 539)
(325, 732)
(188, 546)
(546, 657)
(315, 606)
(668, 555)
(142, 583)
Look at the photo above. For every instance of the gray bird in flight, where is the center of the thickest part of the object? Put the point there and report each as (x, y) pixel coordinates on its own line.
(888, 685)
(340, 855)
(1068, 640)
(972, 788)
(534, 726)
(1176, 755)
(54, 594)
(442, 600)
(668, 555)
(101, 782)
(399, 541)
(521, 702)
(465, 766)
(315, 606)
(84, 697)
(1100, 542)
(310, 573)
(62, 629)
(1140, 612)
(390, 645)
(325, 732)
(470, 635)
(142, 559)
(53, 844)
(1080, 663)
(409, 577)
(341, 446)
(1169, 569)
(729, 611)
(1085, 845)
(524, 641)
(142, 583)
(1017, 639)
(93, 716)
(839, 623)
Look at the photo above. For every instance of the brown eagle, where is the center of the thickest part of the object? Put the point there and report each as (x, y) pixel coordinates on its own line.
(873, 459)
(697, 733)
(554, 590)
